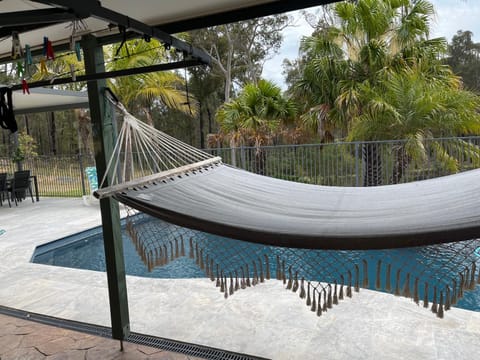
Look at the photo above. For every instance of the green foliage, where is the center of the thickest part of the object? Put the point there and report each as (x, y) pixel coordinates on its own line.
(464, 59)
(26, 149)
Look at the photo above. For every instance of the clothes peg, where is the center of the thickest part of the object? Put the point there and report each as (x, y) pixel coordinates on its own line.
(25, 88)
(78, 51)
(20, 69)
(45, 45)
(43, 67)
(28, 55)
(72, 72)
(50, 54)
(17, 50)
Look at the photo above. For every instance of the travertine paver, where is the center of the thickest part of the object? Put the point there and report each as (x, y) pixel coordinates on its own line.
(25, 340)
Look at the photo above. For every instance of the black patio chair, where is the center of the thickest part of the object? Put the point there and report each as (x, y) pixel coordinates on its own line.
(21, 185)
(4, 193)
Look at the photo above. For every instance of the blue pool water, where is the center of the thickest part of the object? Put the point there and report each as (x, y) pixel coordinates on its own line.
(85, 251)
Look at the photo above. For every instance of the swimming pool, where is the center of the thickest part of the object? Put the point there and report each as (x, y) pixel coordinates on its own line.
(85, 251)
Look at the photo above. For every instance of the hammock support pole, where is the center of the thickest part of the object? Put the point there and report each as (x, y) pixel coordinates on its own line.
(104, 140)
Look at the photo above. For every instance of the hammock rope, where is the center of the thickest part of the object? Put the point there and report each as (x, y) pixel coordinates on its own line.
(149, 168)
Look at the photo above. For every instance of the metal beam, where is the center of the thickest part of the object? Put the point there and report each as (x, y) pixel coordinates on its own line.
(29, 17)
(101, 112)
(94, 9)
(112, 74)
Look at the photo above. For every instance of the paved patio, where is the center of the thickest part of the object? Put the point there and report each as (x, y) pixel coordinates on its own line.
(267, 321)
(27, 340)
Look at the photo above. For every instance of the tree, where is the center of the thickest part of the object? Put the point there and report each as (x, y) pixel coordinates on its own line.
(254, 117)
(464, 59)
(240, 49)
(141, 92)
(345, 61)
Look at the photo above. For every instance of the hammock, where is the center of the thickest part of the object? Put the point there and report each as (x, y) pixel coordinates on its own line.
(192, 189)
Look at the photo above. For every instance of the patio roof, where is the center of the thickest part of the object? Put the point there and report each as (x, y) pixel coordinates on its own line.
(37, 19)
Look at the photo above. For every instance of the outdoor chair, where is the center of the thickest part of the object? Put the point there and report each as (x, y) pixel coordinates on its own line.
(21, 185)
(4, 193)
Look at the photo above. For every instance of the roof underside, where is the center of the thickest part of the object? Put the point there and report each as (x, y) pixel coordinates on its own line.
(43, 100)
(53, 19)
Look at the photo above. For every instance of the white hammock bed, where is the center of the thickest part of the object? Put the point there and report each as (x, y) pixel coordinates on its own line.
(196, 190)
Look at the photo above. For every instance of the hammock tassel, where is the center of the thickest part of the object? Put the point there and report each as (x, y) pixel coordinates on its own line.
(324, 307)
(406, 289)
(231, 291)
(415, 292)
(425, 296)
(349, 287)
(197, 255)
(472, 277)
(357, 278)
(319, 308)
(365, 274)
(335, 296)
(225, 294)
(378, 284)
(177, 249)
(329, 299)
(237, 285)
(182, 246)
(290, 281)
(434, 301)
(262, 277)
(222, 284)
(309, 300)
(218, 277)
(191, 256)
(284, 277)
(279, 271)
(340, 295)
(466, 279)
(397, 285)
(255, 274)
(302, 288)
(454, 292)
(207, 267)
(165, 252)
(295, 282)
(247, 277)
(440, 306)
(314, 302)
(267, 268)
(172, 256)
(202, 264)
(243, 285)
(212, 277)
(461, 286)
(447, 298)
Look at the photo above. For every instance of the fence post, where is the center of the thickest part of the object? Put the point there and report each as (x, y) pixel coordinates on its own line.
(357, 159)
(84, 190)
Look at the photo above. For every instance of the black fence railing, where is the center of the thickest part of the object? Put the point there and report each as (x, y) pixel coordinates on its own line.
(336, 164)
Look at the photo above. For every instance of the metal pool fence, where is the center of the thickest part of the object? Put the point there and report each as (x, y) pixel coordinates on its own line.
(335, 164)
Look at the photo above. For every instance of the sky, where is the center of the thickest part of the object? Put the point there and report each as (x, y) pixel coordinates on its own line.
(451, 16)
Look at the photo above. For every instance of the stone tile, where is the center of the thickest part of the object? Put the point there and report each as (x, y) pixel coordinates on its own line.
(56, 346)
(23, 354)
(87, 342)
(37, 339)
(9, 342)
(147, 350)
(68, 355)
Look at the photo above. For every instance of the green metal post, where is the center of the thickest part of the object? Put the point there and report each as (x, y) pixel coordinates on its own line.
(101, 113)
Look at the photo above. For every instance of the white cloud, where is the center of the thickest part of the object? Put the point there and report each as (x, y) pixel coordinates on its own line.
(451, 15)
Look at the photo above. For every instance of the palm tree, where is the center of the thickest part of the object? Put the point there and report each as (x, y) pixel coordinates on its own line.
(141, 92)
(254, 117)
(370, 43)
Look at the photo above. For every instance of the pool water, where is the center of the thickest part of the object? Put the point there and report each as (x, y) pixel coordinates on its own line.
(85, 251)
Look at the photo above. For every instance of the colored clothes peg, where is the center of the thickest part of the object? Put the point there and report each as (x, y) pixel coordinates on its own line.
(20, 69)
(78, 51)
(50, 54)
(17, 50)
(28, 55)
(25, 88)
(43, 67)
